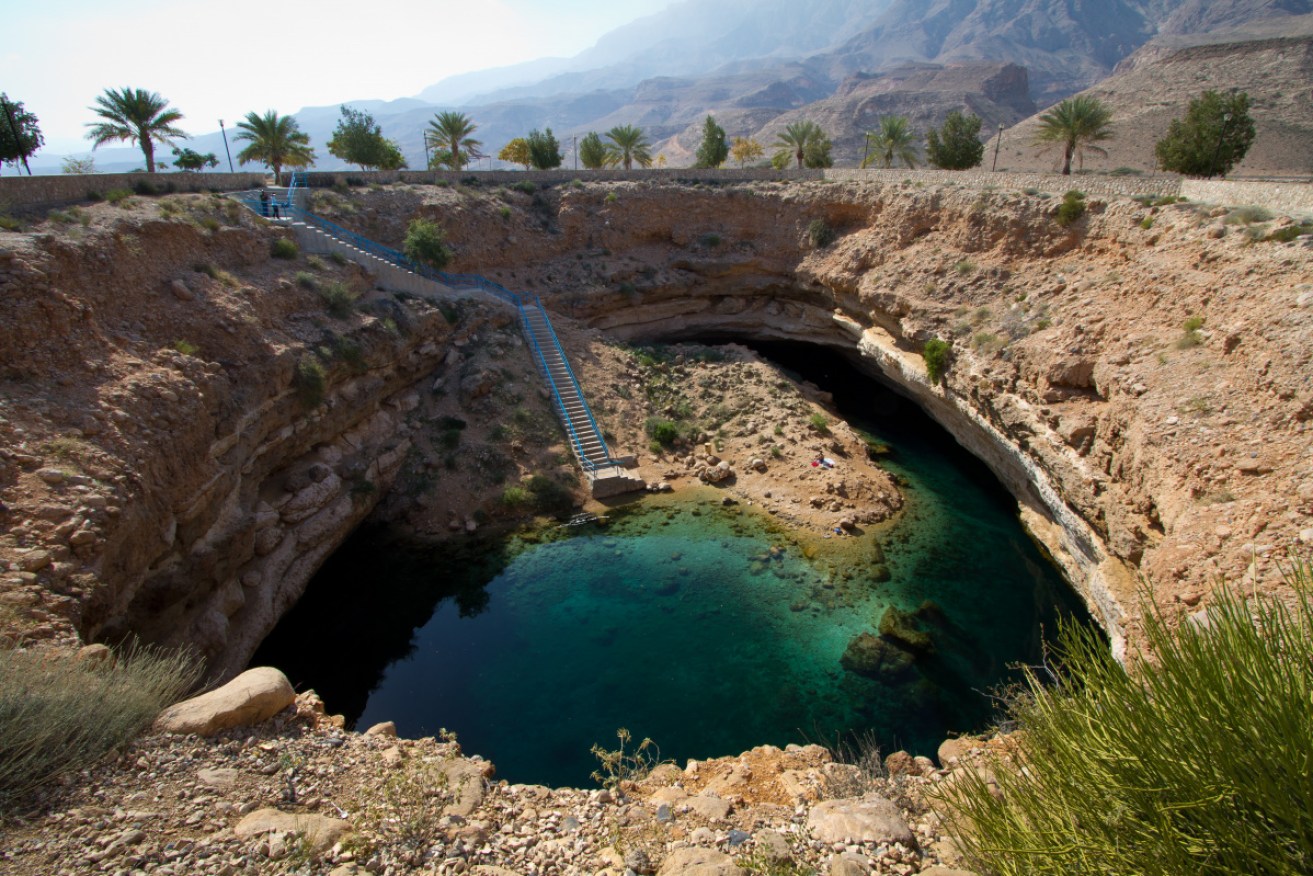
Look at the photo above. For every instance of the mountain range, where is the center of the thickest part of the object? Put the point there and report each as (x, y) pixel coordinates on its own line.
(756, 65)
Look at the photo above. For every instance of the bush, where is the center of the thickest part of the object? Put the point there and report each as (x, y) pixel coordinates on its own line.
(308, 382)
(1190, 336)
(663, 432)
(1248, 215)
(1288, 233)
(936, 354)
(1071, 208)
(284, 248)
(59, 714)
(118, 196)
(1194, 762)
(820, 234)
(9, 223)
(820, 424)
(338, 299)
(549, 496)
(426, 243)
(306, 280)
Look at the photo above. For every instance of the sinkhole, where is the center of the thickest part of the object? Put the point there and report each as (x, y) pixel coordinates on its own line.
(710, 629)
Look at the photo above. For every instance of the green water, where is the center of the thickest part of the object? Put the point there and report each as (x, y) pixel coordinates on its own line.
(693, 624)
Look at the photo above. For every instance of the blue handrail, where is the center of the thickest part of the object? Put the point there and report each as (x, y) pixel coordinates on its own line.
(574, 381)
(541, 360)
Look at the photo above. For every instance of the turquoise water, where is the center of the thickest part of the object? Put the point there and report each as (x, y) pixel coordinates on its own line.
(693, 624)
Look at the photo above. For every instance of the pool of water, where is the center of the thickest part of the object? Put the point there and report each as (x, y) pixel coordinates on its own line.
(703, 627)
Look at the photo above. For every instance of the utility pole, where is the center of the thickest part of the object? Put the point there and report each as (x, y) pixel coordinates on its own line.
(226, 150)
(998, 144)
(867, 154)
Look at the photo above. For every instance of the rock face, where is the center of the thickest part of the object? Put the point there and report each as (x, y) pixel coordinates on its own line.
(320, 832)
(699, 862)
(254, 696)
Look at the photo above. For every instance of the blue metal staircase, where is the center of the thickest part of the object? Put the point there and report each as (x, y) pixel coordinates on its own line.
(567, 396)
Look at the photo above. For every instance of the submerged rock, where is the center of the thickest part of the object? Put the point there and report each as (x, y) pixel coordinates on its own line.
(902, 628)
(868, 654)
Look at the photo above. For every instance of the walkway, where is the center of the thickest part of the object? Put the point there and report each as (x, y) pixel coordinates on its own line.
(315, 234)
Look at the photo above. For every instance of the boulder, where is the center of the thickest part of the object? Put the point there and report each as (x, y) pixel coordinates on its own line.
(254, 696)
(872, 656)
(320, 832)
(902, 629)
(698, 862)
(862, 820)
(708, 806)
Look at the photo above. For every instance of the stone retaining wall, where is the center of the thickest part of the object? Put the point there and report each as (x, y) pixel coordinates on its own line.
(556, 177)
(18, 192)
(1053, 183)
(1282, 198)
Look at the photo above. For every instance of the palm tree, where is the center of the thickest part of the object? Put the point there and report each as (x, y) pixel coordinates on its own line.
(893, 142)
(797, 138)
(275, 141)
(1077, 124)
(141, 117)
(628, 144)
(448, 133)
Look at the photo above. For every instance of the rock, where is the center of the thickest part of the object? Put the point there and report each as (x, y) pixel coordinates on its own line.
(94, 655)
(872, 656)
(866, 820)
(946, 871)
(252, 697)
(181, 291)
(900, 763)
(901, 628)
(51, 475)
(698, 862)
(321, 833)
(222, 778)
(384, 728)
(663, 814)
(638, 861)
(953, 749)
(758, 465)
(848, 864)
(708, 806)
(772, 845)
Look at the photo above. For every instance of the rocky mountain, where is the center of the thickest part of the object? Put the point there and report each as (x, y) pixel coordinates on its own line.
(1155, 85)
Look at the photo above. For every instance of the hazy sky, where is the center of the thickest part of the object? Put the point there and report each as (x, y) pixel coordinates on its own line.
(222, 59)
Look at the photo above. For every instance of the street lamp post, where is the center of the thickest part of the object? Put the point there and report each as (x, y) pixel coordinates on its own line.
(998, 144)
(226, 150)
(1221, 135)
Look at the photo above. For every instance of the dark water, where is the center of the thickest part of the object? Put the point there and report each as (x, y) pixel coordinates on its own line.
(683, 621)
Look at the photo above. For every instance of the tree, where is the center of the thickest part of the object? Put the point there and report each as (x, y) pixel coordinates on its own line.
(516, 152)
(746, 149)
(1213, 137)
(592, 151)
(793, 142)
(895, 141)
(449, 134)
(276, 142)
(357, 139)
(544, 151)
(956, 146)
(190, 160)
(1076, 124)
(20, 135)
(71, 164)
(138, 116)
(713, 150)
(628, 144)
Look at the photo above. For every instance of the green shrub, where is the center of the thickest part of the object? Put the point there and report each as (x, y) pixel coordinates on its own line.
(186, 348)
(118, 196)
(820, 234)
(426, 243)
(339, 300)
(1196, 762)
(514, 497)
(710, 241)
(9, 223)
(964, 267)
(505, 212)
(1190, 336)
(1288, 233)
(1071, 208)
(550, 496)
(820, 424)
(59, 714)
(1146, 223)
(663, 432)
(1248, 215)
(936, 354)
(306, 280)
(611, 197)
(525, 186)
(308, 382)
(284, 248)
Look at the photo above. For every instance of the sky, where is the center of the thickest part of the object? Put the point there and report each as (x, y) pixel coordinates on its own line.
(221, 60)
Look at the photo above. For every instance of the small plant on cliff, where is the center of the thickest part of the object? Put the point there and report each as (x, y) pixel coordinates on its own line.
(820, 424)
(820, 234)
(60, 714)
(936, 354)
(308, 382)
(425, 243)
(186, 348)
(1071, 208)
(1190, 336)
(1193, 760)
(625, 764)
(338, 298)
(284, 248)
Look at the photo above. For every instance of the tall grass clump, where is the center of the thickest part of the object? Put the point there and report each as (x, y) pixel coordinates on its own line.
(1196, 761)
(59, 714)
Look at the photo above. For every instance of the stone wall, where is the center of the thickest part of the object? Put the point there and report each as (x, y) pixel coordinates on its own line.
(318, 179)
(1053, 183)
(18, 192)
(1284, 198)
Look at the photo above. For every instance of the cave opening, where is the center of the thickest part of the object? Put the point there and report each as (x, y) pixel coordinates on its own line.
(708, 628)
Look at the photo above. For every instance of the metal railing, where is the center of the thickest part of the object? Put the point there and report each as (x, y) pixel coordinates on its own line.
(574, 381)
